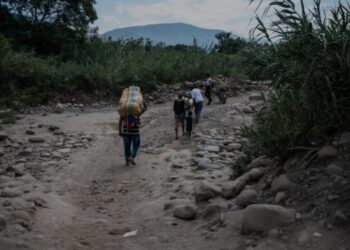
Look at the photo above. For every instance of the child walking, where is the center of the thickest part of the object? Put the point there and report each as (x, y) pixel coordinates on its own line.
(189, 122)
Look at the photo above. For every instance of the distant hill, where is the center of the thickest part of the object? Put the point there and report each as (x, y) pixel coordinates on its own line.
(170, 34)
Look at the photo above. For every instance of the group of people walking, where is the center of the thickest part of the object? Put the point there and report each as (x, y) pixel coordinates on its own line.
(129, 125)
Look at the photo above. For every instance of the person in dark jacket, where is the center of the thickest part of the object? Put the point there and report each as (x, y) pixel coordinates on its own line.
(180, 112)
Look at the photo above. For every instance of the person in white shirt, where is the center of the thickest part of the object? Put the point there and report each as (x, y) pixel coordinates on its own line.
(198, 102)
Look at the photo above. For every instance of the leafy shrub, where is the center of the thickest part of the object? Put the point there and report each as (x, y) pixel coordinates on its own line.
(309, 67)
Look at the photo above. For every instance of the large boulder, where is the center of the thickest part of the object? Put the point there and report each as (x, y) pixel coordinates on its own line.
(247, 197)
(327, 151)
(334, 169)
(185, 212)
(264, 217)
(281, 183)
(206, 191)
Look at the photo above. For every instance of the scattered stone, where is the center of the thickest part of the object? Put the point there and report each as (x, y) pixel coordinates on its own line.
(327, 151)
(64, 150)
(344, 138)
(2, 153)
(207, 165)
(206, 191)
(232, 188)
(211, 210)
(247, 197)
(176, 202)
(10, 193)
(340, 219)
(256, 97)
(18, 169)
(212, 148)
(280, 196)
(233, 146)
(264, 217)
(274, 234)
(185, 212)
(316, 234)
(36, 139)
(304, 238)
(38, 201)
(58, 132)
(3, 136)
(178, 165)
(2, 222)
(29, 132)
(334, 169)
(26, 152)
(260, 162)
(53, 128)
(281, 183)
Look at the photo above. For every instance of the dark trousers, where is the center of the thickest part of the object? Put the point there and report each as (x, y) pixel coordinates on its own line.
(198, 106)
(208, 95)
(131, 145)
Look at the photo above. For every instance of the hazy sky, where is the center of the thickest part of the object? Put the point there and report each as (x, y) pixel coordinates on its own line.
(229, 15)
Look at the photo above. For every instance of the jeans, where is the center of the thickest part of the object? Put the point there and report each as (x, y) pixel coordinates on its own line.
(131, 141)
(198, 110)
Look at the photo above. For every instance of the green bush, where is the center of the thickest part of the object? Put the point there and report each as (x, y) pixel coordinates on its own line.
(309, 67)
(105, 67)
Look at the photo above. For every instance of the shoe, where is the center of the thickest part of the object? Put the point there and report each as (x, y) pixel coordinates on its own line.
(131, 160)
(127, 162)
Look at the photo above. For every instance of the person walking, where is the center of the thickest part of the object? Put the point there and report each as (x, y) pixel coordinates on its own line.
(180, 112)
(208, 84)
(129, 129)
(198, 102)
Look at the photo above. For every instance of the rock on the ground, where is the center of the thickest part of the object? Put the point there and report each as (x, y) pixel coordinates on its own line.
(247, 197)
(29, 132)
(344, 138)
(256, 97)
(260, 162)
(232, 188)
(3, 136)
(212, 148)
(207, 165)
(281, 183)
(340, 219)
(2, 222)
(2, 153)
(264, 217)
(185, 212)
(280, 196)
(176, 202)
(36, 139)
(334, 169)
(53, 127)
(206, 191)
(233, 146)
(327, 151)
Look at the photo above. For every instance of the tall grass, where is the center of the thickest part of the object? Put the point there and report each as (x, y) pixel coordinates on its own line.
(309, 65)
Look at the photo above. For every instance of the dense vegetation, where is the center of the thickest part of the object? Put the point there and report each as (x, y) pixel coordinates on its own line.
(48, 48)
(309, 65)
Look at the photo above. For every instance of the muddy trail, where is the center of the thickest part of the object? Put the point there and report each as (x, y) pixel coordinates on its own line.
(64, 185)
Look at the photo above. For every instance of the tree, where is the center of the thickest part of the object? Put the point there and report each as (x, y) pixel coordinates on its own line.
(47, 25)
(227, 44)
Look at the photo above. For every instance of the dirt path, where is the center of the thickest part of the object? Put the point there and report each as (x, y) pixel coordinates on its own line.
(91, 199)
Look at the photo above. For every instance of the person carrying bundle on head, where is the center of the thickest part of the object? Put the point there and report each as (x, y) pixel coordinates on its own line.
(131, 107)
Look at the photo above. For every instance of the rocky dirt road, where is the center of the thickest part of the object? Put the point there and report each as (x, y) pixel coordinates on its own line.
(64, 185)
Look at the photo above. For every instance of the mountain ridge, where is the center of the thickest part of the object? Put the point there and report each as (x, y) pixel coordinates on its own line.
(169, 33)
